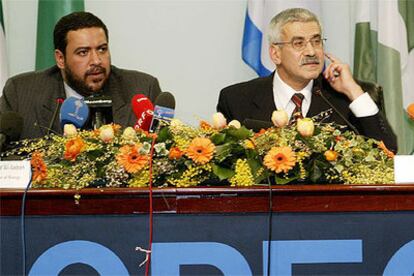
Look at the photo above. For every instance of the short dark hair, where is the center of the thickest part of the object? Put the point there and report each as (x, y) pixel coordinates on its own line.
(73, 22)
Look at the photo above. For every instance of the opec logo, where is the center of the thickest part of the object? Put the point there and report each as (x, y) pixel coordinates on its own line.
(224, 257)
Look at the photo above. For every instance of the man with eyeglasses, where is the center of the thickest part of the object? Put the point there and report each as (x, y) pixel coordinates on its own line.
(298, 85)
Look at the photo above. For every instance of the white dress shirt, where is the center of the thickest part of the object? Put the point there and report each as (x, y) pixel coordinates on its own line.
(70, 92)
(362, 106)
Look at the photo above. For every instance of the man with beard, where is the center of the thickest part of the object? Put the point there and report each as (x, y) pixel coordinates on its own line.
(298, 85)
(83, 68)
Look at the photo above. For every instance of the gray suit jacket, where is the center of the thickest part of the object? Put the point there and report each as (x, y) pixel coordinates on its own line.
(33, 95)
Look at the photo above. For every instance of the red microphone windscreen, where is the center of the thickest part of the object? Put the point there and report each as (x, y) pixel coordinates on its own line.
(143, 109)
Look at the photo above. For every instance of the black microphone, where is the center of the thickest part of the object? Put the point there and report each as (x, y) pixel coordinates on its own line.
(59, 102)
(99, 106)
(318, 91)
(256, 125)
(11, 125)
(163, 110)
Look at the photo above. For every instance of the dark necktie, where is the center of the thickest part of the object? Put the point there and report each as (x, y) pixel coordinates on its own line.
(297, 112)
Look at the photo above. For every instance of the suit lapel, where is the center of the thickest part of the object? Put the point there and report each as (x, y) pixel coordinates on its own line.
(263, 102)
(48, 101)
(121, 109)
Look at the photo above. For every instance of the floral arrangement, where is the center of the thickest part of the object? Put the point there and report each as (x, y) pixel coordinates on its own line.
(214, 153)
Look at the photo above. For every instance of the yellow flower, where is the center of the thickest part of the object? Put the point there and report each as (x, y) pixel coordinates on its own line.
(248, 144)
(129, 134)
(331, 155)
(243, 176)
(305, 127)
(200, 150)
(106, 133)
(130, 158)
(69, 130)
(280, 159)
(235, 124)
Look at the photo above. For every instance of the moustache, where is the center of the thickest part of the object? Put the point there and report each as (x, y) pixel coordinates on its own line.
(309, 60)
(96, 70)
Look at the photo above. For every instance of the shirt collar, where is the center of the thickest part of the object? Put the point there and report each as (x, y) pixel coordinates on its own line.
(70, 92)
(283, 92)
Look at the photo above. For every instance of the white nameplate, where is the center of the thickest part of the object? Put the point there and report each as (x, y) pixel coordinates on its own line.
(14, 174)
(404, 169)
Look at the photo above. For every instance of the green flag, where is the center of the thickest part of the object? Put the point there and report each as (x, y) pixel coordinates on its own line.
(49, 12)
(3, 56)
(384, 42)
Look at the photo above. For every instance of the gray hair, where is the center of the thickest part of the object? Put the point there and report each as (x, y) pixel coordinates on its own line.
(288, 16)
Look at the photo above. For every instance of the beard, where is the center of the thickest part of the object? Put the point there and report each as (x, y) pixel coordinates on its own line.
(80, 85)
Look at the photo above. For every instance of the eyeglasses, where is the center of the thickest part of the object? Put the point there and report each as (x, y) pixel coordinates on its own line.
(299, 43)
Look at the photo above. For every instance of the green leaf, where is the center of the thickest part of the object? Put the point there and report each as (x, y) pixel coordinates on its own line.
(221, 172)
(218, 138)
(163, 135)
(239, 133)
(222, 152)
(284, 181)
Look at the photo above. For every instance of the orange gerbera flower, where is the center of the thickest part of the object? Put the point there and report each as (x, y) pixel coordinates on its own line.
(280, 159)
(39, 167)
(130, 158)
(201, 150)
(175, 153)
(389, 153)
(73, 147)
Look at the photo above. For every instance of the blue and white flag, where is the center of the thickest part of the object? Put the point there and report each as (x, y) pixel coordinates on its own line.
(255, 48)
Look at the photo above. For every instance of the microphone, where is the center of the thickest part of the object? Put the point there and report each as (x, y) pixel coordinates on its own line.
(11, 125)
(99, 108)
(256, 125)
(74, 111)
(59, 102)
(163, 110)
(143, 109)
(317, 91)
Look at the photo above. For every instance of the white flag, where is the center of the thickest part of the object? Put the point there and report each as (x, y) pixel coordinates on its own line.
(384, 43)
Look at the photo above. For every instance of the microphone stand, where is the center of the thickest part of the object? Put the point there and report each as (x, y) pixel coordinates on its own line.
(318, 92)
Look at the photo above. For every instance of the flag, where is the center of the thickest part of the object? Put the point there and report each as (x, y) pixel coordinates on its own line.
(255, 47)
(49, 12)
(3, 56)
(384, 42)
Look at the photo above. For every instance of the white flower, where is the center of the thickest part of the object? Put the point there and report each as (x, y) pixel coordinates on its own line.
(129, 134)
(145, 149)
(235, 124)
(69, 130)
(305, 127)
(280, 118)
(219, 121)
(106, 133)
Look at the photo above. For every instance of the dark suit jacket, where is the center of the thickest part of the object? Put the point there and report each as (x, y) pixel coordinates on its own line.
(254, 100)
(33, 95)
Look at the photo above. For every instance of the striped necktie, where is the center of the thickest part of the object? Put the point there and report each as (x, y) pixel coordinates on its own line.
(297, 112)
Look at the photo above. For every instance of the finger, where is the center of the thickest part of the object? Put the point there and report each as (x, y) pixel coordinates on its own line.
(332, 58)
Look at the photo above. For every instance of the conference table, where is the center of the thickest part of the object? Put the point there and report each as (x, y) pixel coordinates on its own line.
(312, 229)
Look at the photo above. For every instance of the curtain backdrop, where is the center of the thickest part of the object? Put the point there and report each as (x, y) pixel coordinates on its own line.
(49, 12)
